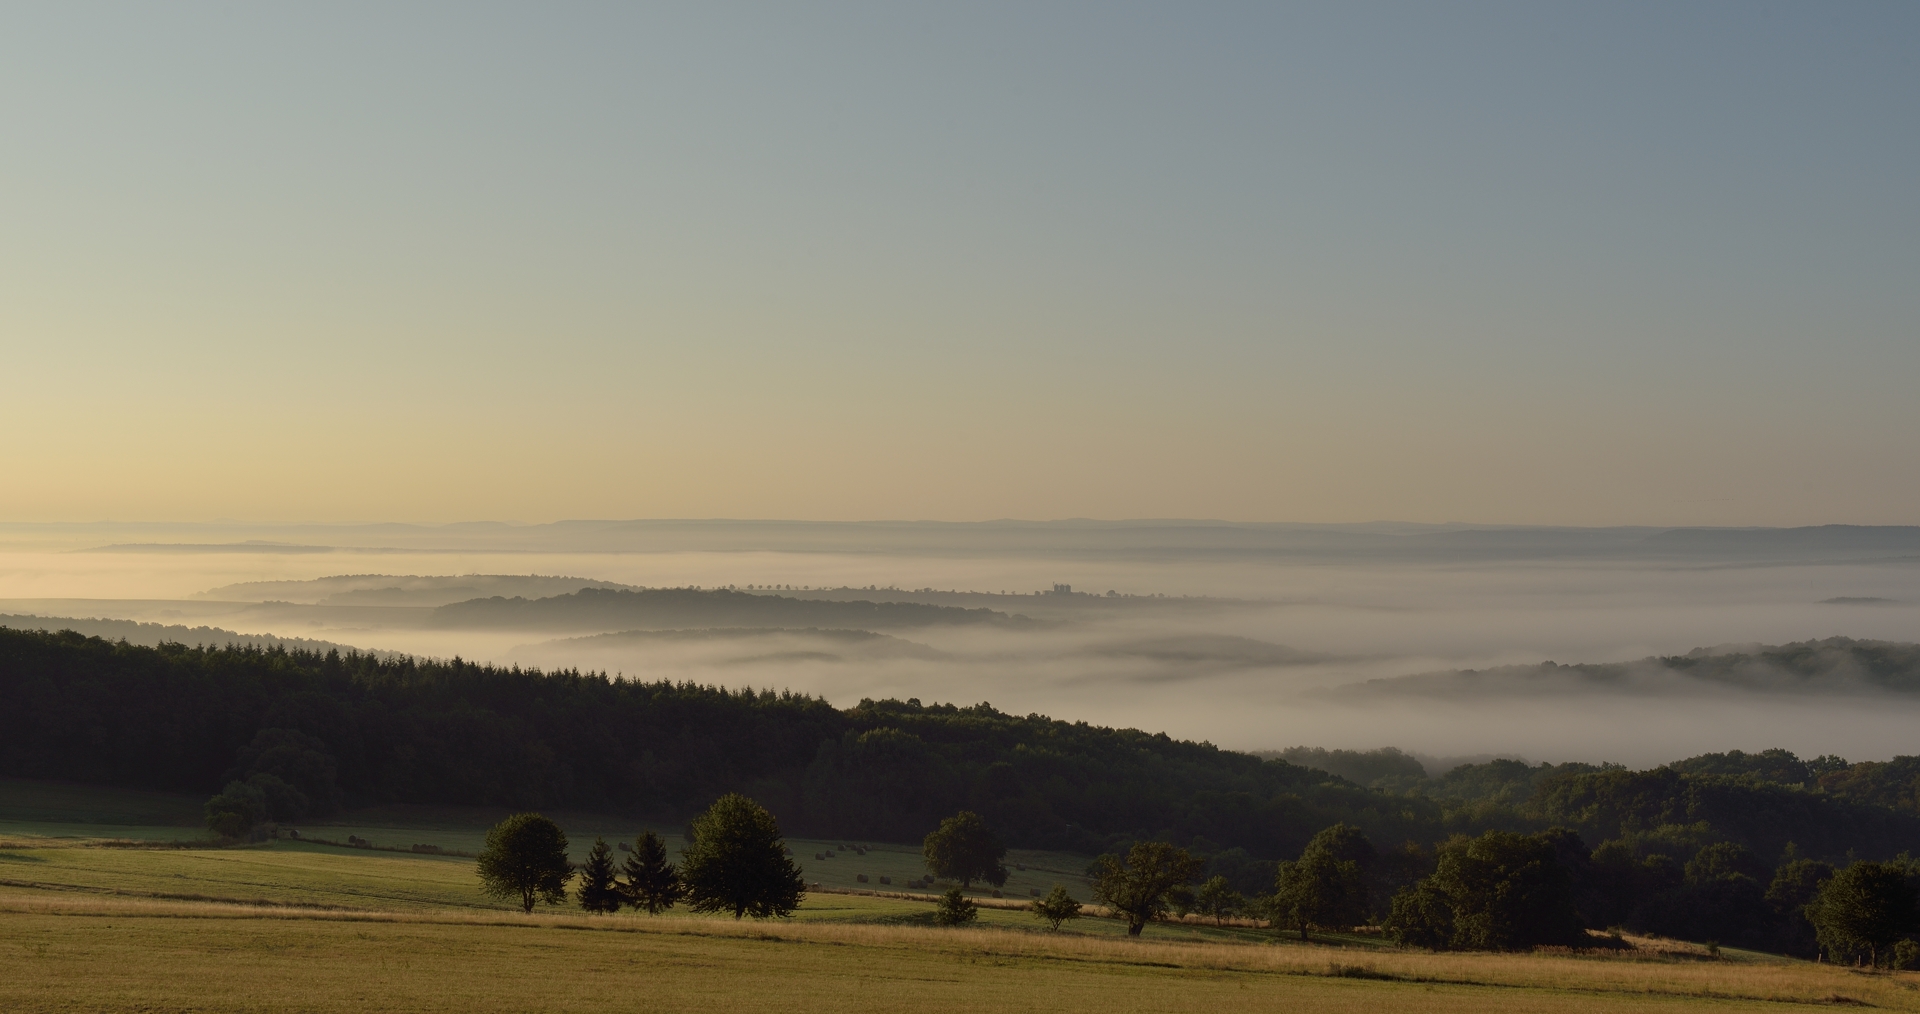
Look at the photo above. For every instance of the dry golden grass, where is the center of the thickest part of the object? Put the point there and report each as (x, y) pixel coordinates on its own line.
(66, 951)
(298, 927)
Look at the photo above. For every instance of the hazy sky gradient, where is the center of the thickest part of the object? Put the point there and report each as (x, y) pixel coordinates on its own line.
(1553, 263)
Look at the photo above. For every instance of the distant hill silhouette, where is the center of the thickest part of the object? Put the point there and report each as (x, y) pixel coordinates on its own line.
(598, 609)
(1835, 665)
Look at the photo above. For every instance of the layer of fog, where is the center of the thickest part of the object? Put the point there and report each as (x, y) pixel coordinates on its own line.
(1266, 672)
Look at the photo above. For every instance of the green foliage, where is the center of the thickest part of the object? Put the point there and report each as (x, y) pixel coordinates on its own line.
(1217, 900)
(738, 862)
(297, 761)
(599, 892)
(1326, 887)
(1136, 887)
(1795, 886)
(1421, 916)
(1385, 768)
(525, 860)
(1905, 956)
(234, 811)
(1501, 891)
(651, 882)
(1057, 907)
(955, 909)
(1863, 909)
(963, 848)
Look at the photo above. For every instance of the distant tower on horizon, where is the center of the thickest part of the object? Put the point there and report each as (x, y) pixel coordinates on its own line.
(1063, 589)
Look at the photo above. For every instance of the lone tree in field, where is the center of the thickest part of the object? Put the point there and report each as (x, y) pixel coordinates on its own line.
(1136, 887)
(526, 860)
(738, 863)
(955, 909)
(652, 883)
(599, 892)
(965, 849)
(1057, 907)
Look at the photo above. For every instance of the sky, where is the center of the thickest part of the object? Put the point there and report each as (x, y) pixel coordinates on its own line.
(1502, 263)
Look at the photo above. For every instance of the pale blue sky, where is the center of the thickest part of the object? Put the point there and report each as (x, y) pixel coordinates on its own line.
(1620, 263)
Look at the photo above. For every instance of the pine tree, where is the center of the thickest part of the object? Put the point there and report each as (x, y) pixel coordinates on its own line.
(598, 890)
(652, 883)
(955, 909)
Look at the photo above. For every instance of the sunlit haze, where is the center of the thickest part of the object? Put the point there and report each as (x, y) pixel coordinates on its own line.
(1497, 263)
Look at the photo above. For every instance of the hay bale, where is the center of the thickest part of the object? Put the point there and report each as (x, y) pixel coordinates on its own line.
(862, 878)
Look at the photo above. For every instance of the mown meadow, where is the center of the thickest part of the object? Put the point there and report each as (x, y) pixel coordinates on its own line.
(100, 920)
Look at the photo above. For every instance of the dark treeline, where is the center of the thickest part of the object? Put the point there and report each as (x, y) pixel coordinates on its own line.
(319, 731)
(603, 609)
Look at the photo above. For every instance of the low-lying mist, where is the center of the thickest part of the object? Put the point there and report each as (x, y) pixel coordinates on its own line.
(1252, 637)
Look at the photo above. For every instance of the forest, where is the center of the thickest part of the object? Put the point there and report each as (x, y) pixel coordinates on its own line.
(320, 732)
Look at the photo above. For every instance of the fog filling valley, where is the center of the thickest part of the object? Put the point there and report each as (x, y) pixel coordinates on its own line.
(1255, 637)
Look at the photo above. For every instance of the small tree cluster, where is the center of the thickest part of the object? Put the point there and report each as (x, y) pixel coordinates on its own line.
(1218, 901)
(1501, 891)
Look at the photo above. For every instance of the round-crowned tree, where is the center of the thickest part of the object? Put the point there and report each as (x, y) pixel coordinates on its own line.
(738, 862)
(963, 848)
(526, 860)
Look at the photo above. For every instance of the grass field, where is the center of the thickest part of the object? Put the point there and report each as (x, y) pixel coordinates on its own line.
(298, 926)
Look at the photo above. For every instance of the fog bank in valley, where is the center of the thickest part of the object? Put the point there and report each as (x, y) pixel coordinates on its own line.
(1429, 638)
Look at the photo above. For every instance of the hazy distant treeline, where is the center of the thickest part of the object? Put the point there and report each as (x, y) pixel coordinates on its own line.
(599, 609)
(1833, 665)
(359, 729)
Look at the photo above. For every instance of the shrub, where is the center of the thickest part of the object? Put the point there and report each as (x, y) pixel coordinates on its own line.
(955, 909)
(1057, 907)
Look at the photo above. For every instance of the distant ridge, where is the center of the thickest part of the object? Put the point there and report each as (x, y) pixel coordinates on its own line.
(595, 609)
(151, 634)
(1834, 666)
